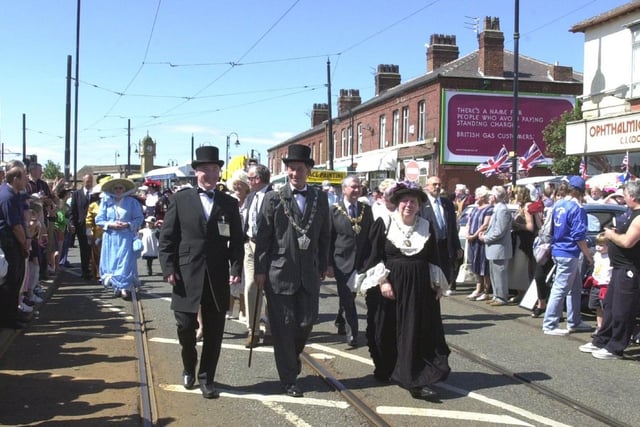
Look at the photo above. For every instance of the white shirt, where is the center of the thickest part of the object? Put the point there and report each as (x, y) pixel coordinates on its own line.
(300, 199)
(207, 204)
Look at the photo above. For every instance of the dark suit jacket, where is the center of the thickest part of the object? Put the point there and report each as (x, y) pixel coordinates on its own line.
(349, 250)
(453, 241)
(192, 246)
(277, 253)
(79, 206)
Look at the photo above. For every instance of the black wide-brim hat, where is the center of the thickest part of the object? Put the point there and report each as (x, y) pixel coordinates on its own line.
(207, 154)
(404, 188)
(299, 153)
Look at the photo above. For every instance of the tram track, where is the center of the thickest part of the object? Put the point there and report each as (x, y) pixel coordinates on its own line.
(501, 370)
(148, 406)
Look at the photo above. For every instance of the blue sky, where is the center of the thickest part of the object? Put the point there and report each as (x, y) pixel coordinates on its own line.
(210, 68)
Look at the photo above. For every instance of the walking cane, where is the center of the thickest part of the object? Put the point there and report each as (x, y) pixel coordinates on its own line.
(253, 324)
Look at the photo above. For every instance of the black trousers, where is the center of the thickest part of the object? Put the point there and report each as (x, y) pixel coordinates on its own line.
(212, 331)
(85, 249)
(291, 318)
(347, 309)
(620, 308)
(10, 288)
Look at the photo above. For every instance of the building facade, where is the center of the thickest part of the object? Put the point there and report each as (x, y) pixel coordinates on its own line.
(610, 125)
(449, 120)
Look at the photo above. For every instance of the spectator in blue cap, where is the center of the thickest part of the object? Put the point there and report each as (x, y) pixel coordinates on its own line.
(569, 239)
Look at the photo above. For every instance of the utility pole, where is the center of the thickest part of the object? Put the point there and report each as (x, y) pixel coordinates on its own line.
(330, 128)
(75, 124)
(516, 38)
(126, 175)
(67, 133)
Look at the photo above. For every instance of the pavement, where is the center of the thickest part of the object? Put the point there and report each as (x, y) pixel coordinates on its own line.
(75, 363)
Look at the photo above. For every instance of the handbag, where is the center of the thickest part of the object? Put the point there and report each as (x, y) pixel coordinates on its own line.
(542, 242)
(137, 245)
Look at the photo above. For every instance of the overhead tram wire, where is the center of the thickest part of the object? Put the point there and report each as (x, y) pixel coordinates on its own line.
(137, 73)
(234, 63)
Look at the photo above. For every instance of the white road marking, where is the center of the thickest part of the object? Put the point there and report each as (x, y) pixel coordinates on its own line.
(288, 415)
(504, 406)
(109, 307)
(451, 415)
(279, 398)
(259, 349)
(344, 354)
(84, 334)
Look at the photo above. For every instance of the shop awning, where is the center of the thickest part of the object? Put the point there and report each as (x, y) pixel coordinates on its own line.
(386, 160)
(171, 172)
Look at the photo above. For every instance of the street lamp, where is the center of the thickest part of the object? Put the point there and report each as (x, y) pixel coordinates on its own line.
(115, 158)
(172, 162)
(237, 144)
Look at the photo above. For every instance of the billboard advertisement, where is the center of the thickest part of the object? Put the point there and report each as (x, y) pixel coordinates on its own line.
(475, 125)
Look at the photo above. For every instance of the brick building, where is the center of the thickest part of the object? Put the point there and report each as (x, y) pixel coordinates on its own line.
(450, 119)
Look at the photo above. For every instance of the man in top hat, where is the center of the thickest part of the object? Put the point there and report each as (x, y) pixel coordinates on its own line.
(201, 252)
(80, 200)
(291, 255)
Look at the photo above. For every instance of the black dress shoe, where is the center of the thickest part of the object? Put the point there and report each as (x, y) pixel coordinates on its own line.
(188, 380)
(424, 393)
(293, 390)
(352, 341)
(209, 391)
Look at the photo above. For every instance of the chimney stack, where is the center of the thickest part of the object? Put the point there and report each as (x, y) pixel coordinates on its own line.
(442, 49)
(348, 99)
(387, 76)
(320, 114)
(561, 73)
(491, 53)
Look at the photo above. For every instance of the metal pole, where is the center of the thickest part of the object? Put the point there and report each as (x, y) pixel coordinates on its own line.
(516, 38)
(353, 135)
(226, 163)
(24, 136)
(67, 135)
(75, 124)
(330, 129)
(128, 172)
(191, 148)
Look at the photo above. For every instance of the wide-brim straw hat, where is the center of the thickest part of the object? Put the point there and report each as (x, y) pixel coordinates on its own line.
(126, 183)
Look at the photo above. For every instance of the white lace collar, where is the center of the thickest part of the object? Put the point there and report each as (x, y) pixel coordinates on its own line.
(408, 239)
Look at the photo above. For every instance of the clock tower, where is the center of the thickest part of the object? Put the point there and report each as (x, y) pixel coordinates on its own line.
(147, 153)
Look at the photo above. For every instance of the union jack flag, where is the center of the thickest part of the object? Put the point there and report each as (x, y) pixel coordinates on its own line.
(532, 157)
(494, 164)
(625, 162)
(583, 169)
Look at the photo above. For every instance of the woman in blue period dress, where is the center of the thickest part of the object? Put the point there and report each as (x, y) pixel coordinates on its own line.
(478, 223)
(120, 216)
(410, 306)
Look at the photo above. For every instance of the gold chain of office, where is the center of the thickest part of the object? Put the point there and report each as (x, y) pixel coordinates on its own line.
(355, 222)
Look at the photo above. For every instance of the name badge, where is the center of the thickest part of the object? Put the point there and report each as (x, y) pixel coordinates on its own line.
(223, 228)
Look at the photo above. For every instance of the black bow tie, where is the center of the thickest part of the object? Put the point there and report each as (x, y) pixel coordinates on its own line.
(303, 193)
(208, 193)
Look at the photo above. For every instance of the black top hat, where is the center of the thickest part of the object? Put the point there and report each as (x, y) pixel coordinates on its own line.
(299, 153)
(207, 154)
